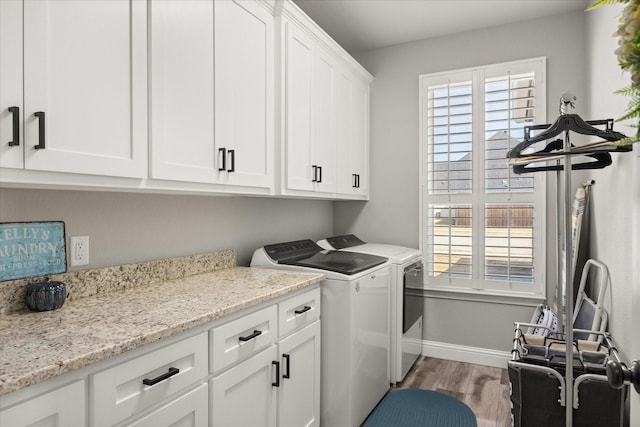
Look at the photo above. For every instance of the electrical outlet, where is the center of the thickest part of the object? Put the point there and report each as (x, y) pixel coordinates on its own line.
(79, 250)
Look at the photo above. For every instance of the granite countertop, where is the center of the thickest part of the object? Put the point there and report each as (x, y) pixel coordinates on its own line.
(36, 346)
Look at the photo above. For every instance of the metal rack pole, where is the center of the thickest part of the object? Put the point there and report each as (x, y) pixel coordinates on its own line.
(568, 276)
(560, 238)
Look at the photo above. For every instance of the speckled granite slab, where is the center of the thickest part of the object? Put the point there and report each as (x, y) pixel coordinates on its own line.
(88, 283)
(36, 346)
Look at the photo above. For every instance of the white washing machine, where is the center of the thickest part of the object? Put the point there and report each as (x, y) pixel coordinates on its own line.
(406, 301)
(354, 323)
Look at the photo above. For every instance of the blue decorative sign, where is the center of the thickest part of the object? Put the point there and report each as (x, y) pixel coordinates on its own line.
(29, 249)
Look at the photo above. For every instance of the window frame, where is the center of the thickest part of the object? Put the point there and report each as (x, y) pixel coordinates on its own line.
(480, 198)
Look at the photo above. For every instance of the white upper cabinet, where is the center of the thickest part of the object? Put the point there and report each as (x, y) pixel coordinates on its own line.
(309, 140)
(298, 119)
(324, 113)
(212, 99)
(181, 88)
(85, 80)
(202, 96)
(11, 105)
(244, 88)
(352, 137)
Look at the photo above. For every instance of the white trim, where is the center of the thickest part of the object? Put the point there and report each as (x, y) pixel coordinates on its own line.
(463, 353)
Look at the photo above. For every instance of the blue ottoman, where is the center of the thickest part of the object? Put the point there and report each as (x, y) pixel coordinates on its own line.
(424, 408)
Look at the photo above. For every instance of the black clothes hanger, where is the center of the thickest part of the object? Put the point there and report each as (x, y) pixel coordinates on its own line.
(575, 123)
(586, 128)
(602, 160)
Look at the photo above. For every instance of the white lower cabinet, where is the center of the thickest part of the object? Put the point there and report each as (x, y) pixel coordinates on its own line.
(188, 410)
(245, 395)
(64, 406)
(299, 391)
(261, 368)
(274, 386)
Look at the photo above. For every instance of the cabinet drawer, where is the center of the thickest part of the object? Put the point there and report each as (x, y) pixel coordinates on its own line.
(243, 337)
(298, 311)
(120, 392)
(188, 410)
(61, 407)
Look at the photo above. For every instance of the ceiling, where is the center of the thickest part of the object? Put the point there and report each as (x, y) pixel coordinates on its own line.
(359, 25)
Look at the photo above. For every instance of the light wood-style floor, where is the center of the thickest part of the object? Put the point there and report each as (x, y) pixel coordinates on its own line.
(484, 389)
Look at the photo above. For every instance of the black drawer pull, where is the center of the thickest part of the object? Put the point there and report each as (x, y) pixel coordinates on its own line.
(156, 380)
(276, 383)
(304, 310)
(222, 152)
(250, 337)
(41, 143)
(287, 364)
(232, 153)
(15, 113)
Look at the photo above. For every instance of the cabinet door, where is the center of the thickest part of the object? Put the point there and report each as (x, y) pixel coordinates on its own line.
(244, 395)
(324, 107)
(182, 91)
(244, 91)
(62, 407)
(188, 410)
(360, 136)
(85, 71)
(352, 135)
(299, 394)
(11, 106)
(299, 57)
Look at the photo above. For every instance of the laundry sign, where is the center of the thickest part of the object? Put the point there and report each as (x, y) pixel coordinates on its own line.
(29, 249)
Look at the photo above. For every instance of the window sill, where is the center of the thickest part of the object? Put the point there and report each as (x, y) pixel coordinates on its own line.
(478, 295)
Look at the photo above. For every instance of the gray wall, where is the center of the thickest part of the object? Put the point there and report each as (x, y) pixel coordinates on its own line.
(392, 214)
(129, 227)
(615, 228)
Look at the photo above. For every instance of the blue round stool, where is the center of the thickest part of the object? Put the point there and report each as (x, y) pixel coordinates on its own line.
(424, 408)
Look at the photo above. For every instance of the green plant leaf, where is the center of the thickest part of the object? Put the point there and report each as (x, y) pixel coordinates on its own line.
(605, 2)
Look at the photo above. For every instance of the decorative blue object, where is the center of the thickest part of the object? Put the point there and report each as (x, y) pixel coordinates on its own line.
(44, 296)
(31, 249)
(424, 408)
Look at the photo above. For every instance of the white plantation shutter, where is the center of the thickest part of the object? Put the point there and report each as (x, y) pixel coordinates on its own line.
(509, 105)
(483, 227)
(450, 133)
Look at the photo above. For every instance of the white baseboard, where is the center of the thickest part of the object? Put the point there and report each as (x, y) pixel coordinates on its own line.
(461, 353)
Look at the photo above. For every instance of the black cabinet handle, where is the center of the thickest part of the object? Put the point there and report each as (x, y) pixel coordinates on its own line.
(41, 142)
(320, 173)
(287, 364)
(315, 173)
(250, 337)
(355, 180)
(15, 113)
(276, 383)
(233, 161)
(156, 380)
(303, 310)
(222, 152)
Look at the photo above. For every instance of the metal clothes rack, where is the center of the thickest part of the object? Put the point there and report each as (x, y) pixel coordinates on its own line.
(563, 168)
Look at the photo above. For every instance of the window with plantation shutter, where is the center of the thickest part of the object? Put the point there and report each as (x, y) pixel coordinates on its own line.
(483, 227)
